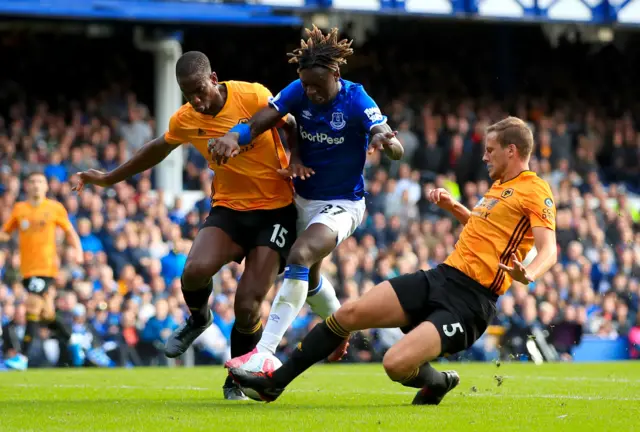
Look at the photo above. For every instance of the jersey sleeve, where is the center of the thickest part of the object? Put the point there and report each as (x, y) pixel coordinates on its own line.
(539, 206)
(366, 110)
(175, 135)
(62, 219)
(12, 223)
(288, 99)
(264, 97)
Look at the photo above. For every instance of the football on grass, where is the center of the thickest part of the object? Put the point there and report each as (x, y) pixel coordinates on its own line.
(260, 362)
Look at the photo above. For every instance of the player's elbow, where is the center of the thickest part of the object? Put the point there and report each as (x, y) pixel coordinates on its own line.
(553, 255)
(73, 238)
(290, 123)
(265, 119)
(550, 253)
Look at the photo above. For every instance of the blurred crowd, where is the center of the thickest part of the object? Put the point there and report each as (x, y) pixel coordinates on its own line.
(126, 297)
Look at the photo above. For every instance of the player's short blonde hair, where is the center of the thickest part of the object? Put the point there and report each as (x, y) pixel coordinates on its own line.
(513, 130)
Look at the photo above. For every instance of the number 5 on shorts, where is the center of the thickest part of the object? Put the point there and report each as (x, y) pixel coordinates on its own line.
(279, 235)
(454, 329)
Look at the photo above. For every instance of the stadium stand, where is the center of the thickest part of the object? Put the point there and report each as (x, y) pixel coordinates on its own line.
(127, 299)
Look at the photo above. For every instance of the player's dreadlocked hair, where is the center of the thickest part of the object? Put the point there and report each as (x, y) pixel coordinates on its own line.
(321, 50)
(192, 63)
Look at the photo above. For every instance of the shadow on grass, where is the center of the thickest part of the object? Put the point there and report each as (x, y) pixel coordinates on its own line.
(86, 405)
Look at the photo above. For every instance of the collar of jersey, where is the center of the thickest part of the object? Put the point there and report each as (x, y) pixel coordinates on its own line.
(226, 102)
(522, 174)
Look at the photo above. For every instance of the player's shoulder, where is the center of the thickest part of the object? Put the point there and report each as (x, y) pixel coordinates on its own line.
(532, 189)
(20, 206)
(353, 88)
(244, 87)
(291, 95)
(294, 87)
(184, 113)
(54, 205)
(535, 184)
(355, 94)
(297, 83)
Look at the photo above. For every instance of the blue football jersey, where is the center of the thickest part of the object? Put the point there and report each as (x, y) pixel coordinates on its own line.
(333, 139)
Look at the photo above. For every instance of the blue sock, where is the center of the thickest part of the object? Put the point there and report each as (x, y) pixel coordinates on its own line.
(298, 272)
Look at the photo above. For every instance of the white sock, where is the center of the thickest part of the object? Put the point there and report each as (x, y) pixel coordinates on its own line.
(323, 299)
(285, 307)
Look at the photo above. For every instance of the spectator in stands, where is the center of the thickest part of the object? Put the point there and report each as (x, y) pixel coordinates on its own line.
(156, 332)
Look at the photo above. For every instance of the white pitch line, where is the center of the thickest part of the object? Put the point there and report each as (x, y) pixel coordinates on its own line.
(556, 396)
(490, 374)
(572, 378)
(116, 387)
(399, 393)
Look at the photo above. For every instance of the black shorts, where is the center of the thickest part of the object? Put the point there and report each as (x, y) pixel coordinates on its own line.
(38, 284)
(459, 307)
(248, 229)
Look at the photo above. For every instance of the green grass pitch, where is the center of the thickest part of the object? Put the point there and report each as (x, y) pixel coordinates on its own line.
(550, 397)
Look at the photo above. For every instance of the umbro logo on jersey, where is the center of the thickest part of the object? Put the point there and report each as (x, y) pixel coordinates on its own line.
(306, 114)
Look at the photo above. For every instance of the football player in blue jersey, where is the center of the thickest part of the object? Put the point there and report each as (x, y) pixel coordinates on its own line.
(338, 124)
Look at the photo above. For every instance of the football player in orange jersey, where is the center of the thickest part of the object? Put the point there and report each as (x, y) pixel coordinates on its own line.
(253, 216)
(447, 308)
(36, 220)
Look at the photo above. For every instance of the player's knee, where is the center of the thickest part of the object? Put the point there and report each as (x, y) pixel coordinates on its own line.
(349, 316)
(247, 310)
(395, 365)
(33, 311)
(33, 305)
(302, 255)
(196, 274)
(48, 314)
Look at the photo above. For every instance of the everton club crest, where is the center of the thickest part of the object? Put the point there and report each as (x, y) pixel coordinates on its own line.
(337, 121)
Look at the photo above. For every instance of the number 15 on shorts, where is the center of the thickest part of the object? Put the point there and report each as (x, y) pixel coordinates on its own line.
(279, 235)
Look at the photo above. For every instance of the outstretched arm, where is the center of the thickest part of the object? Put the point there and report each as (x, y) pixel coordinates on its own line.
(443, 199)
(296, 168)
(9, 227)
(149, 155)
(547, 256)
(385, 138)
(539, 207)
(545, 241)
(373, 121)
(242, 134)
(265, 119)
(62, 220)
(290, 128)
(460, 212)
